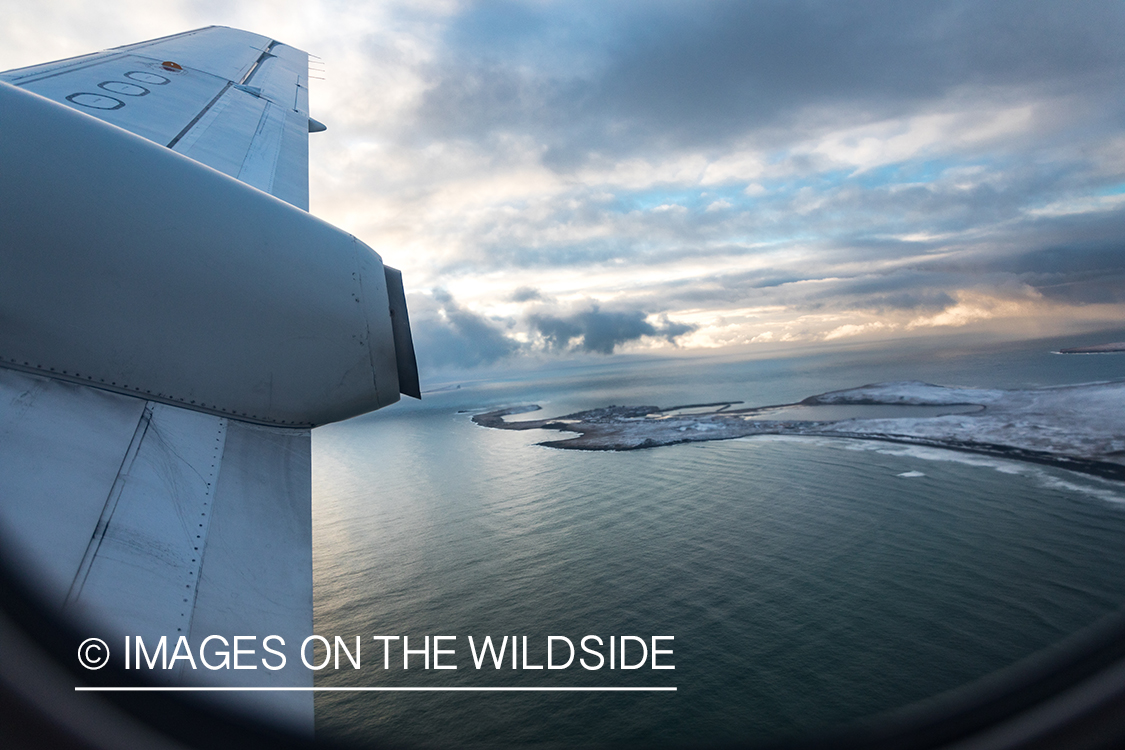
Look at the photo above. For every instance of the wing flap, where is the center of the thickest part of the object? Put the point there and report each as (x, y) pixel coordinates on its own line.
(203, 526)
(290, 181)
(153, 528)
(257, 571)
(222, 137)
(280, 74)
(42, 420)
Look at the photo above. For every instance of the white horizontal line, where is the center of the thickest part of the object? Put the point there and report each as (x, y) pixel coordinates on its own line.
(373, 689)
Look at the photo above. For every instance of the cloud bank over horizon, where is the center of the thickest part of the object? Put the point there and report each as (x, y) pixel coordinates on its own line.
(565, 179)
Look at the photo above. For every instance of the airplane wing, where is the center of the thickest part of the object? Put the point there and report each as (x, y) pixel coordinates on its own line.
(235, 101)
(172, 325)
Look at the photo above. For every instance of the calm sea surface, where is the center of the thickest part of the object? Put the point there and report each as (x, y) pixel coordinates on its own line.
(806, 582)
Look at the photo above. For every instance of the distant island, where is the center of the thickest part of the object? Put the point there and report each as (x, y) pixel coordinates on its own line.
(1080, 427)
(1117, 348)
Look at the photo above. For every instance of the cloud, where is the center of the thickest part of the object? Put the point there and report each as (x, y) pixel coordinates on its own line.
(972, 307)
(627, 77)
(525, 294)
(597, 331)
(582, 177)
(446, 334)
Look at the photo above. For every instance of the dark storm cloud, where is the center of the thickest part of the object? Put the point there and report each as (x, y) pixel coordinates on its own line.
(598, 331)
(631, 76)
(446, 334)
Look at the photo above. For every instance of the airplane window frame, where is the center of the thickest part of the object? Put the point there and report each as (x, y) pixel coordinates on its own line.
(1070, 695)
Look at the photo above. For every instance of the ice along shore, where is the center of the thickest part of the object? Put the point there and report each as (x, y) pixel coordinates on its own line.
(1077, 427)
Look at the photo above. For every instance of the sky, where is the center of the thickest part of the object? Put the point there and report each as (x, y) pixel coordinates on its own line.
(562, 180)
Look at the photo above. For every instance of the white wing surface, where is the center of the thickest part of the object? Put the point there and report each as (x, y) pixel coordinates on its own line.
(235, 101)
(143, 519)
(169, 333)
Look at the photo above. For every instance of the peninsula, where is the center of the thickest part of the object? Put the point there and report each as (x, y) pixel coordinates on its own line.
(1078, 427)
(1115, 348)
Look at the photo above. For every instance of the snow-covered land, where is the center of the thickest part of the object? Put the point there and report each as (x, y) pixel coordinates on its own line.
(1114, 348)
(1081, 427)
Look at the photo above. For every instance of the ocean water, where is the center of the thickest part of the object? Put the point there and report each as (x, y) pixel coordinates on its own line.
(806, 582)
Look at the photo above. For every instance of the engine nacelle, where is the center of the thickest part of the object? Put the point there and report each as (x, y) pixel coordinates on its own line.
(129, 267)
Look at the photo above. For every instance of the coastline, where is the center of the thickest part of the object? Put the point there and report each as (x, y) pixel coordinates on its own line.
(1068, 427)
(1114, 348)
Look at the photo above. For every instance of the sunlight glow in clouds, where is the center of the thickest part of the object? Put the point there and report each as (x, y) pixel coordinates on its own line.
(583, 178)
